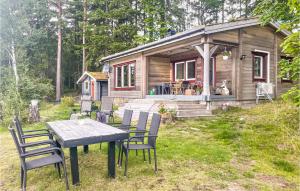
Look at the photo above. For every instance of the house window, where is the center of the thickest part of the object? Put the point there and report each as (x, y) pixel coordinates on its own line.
(185, 70)
(179, 71)
(132, 74)
(119, 76)
(86, 87)
(287, 75)
(190, 70)
(258, 67)
(125, 75)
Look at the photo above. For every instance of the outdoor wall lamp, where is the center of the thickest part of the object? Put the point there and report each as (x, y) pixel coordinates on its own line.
(243, 57)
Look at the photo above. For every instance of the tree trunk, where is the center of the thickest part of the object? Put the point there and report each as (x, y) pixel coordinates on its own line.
(14, 63)
(84, 67)
(58, 62)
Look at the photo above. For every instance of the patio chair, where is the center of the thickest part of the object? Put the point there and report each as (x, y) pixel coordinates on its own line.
(126, 121)
(152, 135)
(27, 134)
(86, 103)
(139, 132)
(107, 107)
(176, 89)
(50, 156)
(184, 86)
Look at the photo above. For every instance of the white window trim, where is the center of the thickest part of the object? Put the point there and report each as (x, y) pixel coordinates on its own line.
(187, 69)
(287, 76)
(268, 63)
(122, 76)
(129, 72)
(117, 77)
(261, 67)
(176, 63)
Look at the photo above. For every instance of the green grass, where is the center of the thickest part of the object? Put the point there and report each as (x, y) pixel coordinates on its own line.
(253, 149)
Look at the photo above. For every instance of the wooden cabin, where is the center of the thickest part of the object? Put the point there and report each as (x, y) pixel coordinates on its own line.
(242, 52)
(94, 84)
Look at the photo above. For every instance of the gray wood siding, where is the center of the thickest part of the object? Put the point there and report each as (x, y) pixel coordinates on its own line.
(260, 38)
(137, 92)
(159, 71)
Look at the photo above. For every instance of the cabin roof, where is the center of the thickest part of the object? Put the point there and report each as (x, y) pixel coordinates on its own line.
(200, 30)
(98, 76)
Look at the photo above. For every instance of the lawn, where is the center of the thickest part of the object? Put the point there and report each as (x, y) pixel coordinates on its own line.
(253, 149)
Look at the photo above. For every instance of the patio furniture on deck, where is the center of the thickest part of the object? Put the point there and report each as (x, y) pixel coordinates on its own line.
(184, 86)
(177, 88)
(51, 155)
(152, 135)
(73, 133)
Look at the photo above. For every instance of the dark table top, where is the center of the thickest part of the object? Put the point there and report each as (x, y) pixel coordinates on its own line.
(72, 133)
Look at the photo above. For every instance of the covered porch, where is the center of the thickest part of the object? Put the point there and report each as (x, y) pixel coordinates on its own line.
(202, 70)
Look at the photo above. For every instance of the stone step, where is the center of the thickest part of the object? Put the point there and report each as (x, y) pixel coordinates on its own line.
(192, 113)
(190, 106)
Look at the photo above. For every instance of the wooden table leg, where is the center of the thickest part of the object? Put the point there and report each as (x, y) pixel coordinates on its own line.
(111, 159)
(85, 149)
(74, 165)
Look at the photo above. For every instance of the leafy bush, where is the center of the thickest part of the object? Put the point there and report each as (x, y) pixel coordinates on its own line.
(68, 101)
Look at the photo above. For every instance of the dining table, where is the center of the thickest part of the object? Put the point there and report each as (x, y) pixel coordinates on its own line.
(83, 132)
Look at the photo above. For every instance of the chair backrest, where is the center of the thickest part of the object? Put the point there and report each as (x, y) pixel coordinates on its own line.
(86, 106)
(127, 117)
(142, 122)
(155, 123)
(17, 144)
(19, 129)
(107, 104)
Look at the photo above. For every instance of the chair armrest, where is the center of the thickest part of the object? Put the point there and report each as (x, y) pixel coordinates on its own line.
(29, 131)
(42, 152)
(130, 138)
(38, 143)
(138, 131)
(36, 135)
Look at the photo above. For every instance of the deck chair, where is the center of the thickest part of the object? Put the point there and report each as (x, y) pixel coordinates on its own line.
(49, 156)
(27, 134)
(107, 107)
(152, 135)
(139, 131)
(86, 103)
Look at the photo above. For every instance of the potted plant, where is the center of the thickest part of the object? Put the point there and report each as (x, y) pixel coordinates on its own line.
(226, 55)
(163, 111)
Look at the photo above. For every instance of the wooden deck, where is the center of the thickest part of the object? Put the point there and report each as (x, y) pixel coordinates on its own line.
(190, 98)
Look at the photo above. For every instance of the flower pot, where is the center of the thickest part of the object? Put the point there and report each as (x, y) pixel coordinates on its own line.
(225, 57)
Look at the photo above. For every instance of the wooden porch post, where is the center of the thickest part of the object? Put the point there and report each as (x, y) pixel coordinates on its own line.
(206, 88)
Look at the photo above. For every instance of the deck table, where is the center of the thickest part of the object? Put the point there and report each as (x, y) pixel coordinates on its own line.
(73, 133)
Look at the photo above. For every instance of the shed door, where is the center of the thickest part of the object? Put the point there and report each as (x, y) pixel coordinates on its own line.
(103, 89)
(93, 89)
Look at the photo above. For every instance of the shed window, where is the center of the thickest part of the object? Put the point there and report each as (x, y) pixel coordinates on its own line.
(125, 75)
(259, 66)
(286, 77)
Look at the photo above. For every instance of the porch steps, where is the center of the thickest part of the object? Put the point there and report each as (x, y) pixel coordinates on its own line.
(184, 109)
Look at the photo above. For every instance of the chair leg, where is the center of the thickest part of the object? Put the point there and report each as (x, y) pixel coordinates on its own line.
(122, 153)
(136, 151)
(119, 154)
(24, 180)
(149, 155)
(65, 175)
(58, 170)
(155, 159)
(144, 155)
(126, 162)
(22, 176)
(100, 146)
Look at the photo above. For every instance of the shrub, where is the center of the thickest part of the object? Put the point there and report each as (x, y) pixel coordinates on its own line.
(68, 101)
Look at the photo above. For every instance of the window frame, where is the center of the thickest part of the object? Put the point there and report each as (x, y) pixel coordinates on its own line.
(129, 86)
(176, 63)
(187, 69)
(286, 79)
(261, 76)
